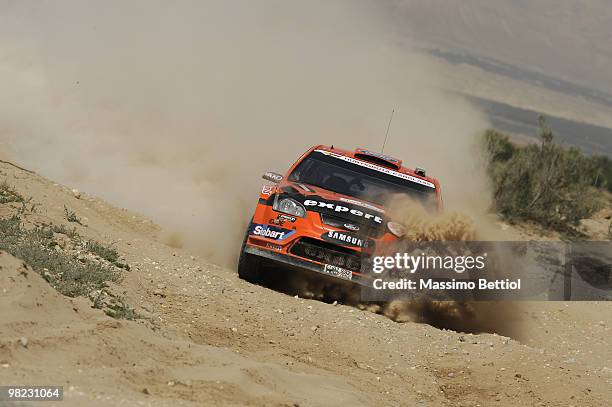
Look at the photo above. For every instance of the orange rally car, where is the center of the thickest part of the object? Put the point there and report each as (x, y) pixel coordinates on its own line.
(326, 214)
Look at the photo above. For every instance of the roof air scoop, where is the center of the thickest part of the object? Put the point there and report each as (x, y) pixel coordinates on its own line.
(378, 158)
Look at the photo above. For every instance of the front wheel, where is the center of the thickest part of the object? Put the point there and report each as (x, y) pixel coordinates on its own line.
(249, 266)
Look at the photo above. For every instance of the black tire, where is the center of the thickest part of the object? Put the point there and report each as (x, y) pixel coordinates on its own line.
(249, 266)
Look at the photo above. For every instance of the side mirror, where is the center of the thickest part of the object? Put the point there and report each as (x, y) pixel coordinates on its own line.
(272, 177)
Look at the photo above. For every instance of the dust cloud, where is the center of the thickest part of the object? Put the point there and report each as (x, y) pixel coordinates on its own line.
(426, 225)
(500, 317)
(174, 109)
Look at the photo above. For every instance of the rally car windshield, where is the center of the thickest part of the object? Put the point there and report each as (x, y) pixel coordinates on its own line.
(349, 178)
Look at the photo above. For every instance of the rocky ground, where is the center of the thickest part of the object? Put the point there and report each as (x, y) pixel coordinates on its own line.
(204, 337)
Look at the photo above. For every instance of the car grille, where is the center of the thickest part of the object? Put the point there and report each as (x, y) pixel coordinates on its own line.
(364, 230)
(327, 253)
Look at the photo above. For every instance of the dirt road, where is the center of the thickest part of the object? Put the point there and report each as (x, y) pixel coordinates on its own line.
(208, 338)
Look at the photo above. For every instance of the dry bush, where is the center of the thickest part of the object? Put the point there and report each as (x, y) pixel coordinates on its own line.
(546, 183)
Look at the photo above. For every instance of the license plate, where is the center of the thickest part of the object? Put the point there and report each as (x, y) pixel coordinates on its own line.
(338, 272)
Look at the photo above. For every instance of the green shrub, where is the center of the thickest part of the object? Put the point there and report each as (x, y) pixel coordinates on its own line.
(71, 216)
(119, 309)
(499, 146)
(65, 268)
(108, 253)
(603, 168)
(71, 275)
(546, 183)
(36, 247)
(9, 194)
(71, 233)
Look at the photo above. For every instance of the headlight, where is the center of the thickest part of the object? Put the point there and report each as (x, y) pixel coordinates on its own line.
(290, 207)
(396, 228)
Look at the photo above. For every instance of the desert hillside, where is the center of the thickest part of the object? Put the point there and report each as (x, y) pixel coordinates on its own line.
(191, 333)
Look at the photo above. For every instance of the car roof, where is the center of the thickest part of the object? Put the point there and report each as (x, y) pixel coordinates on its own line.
(380, 159)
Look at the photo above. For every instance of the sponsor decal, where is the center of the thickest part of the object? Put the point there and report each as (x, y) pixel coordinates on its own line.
(362, 204)
(274, 247)
(270, 232)
(267, 189)
(352, 227)
(281, 219)
(333, 207)
(337, 272)
(287, 218)
(272, 176)
(378, 168)
(345, 239)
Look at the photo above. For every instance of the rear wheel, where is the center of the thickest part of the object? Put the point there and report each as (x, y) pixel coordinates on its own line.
(249, 266)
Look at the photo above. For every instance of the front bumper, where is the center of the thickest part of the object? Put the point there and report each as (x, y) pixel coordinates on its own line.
(333, 272)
